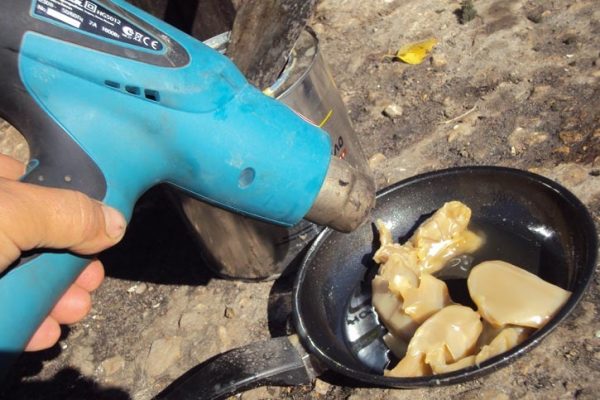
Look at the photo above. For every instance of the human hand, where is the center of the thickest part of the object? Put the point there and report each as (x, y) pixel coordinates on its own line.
(33, 216)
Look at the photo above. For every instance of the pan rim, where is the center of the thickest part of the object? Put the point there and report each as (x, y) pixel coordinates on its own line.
(494, 363)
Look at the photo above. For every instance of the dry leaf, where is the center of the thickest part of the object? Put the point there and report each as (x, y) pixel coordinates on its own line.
(415, 53)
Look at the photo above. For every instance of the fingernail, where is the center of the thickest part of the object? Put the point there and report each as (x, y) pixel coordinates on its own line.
(114, 222)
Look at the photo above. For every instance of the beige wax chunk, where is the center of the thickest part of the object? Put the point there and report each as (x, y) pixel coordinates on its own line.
(509, 295)
(444, 338)
(389, 310)
(452, 218)
(399, 270)
(443, 236)
(463, 242)
(506, 339)
(425, 300)
(406, 254)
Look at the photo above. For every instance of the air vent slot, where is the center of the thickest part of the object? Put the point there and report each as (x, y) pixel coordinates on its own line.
(149, 94)
(133, 90)
(112, 84)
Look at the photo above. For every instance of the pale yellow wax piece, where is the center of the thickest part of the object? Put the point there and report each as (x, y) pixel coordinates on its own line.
(443, 236)
(444, 338)
(389, 310)
(425, 300)
(509, 295)
(399, 270)
(406, 254)
(506, 339)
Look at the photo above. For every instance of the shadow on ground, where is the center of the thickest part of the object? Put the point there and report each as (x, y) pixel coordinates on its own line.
(158, 247)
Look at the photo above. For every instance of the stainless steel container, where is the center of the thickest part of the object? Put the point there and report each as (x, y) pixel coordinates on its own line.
(243, 248)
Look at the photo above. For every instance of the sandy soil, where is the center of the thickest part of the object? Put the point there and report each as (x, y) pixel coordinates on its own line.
(516, 86)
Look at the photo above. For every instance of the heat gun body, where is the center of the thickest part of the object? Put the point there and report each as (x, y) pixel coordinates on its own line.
(112, 117)
(113, 101)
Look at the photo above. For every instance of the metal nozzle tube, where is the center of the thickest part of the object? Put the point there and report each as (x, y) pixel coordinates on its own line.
(346, 198)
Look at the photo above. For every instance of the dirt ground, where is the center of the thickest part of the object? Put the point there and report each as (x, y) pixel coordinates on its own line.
(516, 86)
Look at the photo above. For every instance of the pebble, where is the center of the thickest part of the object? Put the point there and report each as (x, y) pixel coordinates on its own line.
(138, 288)
(82, 358)
(438, 61)
(597, 334)
(141, 288)
(164, 353)
(570, 137)
(112, 365)
(229, 312)
(376, 160)
(393, 111)
(522, 138)
(564, 150)
(321, 387)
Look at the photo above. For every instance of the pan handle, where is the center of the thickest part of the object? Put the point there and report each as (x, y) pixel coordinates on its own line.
(277, 362)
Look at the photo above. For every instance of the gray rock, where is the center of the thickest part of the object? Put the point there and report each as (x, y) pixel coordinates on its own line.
(163, 354)
(112, 365)
(83, 359)
(393, 111)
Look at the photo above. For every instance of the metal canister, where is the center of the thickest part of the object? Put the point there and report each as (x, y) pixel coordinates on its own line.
(243, 248)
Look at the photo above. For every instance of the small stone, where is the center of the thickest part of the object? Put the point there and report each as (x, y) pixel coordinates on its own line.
(141, 288)
(322, 387)
(229, 312)
(112, 365)
(570, 137)
(393, 111)
(597, 334)
(535, 15)
(376, 160)
(589, 348)
(438, 61)
(564, 150)
(453, 135)
(164, 353)
(82, 358)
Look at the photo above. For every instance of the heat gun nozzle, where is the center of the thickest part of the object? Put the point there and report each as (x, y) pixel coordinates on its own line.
(345, 199)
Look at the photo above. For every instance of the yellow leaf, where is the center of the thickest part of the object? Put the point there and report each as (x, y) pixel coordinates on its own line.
(415, 53)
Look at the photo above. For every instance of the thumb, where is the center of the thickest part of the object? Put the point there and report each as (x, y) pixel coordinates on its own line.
(33, 216)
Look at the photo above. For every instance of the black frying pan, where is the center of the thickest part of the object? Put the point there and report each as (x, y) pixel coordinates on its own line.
(529, 220)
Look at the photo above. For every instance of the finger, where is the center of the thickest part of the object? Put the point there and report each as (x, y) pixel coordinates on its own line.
(45, 337)
(11, 168)
(91, 277)
(33, 216)
(72, 306)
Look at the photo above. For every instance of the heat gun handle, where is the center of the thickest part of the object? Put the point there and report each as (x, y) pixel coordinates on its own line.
(27, 295)
(29, 291)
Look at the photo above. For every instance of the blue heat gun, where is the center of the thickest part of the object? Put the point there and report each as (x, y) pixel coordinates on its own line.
(113, 101)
